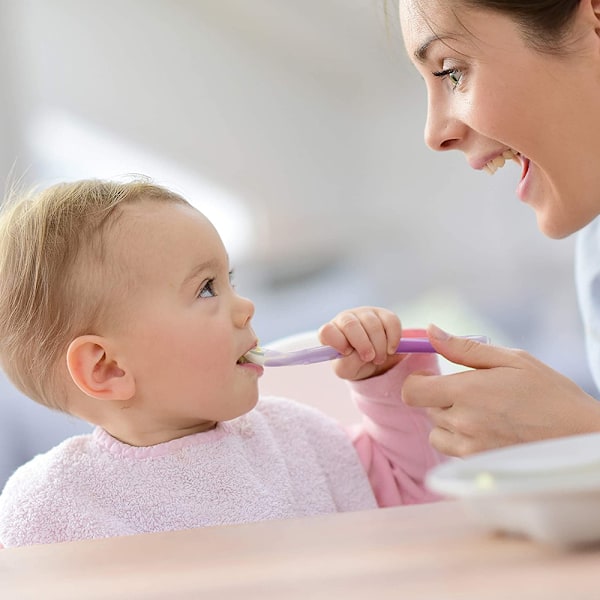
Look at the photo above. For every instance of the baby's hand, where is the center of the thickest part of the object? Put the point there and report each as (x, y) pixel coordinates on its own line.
(367, 336)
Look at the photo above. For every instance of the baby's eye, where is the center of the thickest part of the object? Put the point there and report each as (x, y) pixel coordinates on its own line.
(231, 283)
(208, 289)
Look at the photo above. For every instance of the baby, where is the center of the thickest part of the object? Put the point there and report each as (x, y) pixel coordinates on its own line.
(117, 306)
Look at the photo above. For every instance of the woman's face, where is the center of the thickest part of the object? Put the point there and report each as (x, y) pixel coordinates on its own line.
(493, 97)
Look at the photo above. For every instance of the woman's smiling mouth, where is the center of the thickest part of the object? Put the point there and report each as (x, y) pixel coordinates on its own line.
(499, 161)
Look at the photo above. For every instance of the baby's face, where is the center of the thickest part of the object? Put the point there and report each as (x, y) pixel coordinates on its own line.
(185, 327)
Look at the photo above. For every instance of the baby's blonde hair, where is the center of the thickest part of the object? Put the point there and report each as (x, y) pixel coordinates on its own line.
(52, 266)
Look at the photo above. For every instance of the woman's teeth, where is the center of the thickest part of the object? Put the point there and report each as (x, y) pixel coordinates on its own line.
(497, 163)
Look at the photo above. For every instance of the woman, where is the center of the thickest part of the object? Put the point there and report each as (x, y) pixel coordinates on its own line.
(520, 80)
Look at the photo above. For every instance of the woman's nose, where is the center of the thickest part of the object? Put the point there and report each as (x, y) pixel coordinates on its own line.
(243, 311)
(443, 131)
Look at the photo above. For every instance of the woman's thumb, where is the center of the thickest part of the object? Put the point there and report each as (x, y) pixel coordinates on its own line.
(473, 352)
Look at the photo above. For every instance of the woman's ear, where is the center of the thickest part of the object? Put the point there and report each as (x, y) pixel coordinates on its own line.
(95, 372)
(595, 6)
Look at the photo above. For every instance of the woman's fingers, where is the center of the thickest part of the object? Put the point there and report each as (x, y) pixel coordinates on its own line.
(469, 352)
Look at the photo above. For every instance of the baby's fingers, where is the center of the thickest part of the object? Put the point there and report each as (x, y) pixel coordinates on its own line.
(364, 333)
(373, 333)
(393, 328)
(331, 335)
(348, 335)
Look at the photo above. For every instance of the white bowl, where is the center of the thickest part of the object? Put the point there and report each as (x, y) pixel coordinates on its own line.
(548, 490)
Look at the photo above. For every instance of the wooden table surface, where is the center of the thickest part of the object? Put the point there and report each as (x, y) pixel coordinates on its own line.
(419, 552)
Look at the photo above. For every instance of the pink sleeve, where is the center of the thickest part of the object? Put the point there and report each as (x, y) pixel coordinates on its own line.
(393, 439)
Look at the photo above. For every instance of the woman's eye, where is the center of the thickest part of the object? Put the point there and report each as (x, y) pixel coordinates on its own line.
(208, 289)
(453, 75)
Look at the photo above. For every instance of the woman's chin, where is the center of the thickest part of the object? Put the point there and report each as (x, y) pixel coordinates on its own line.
(556, 228)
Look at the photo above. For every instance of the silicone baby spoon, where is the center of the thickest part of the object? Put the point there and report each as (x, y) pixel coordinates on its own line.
(268, 357)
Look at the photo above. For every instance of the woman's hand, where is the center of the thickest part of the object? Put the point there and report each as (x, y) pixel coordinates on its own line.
(508, 397)
(367, 336)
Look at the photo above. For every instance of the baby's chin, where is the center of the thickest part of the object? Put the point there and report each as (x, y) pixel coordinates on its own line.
(242, 408)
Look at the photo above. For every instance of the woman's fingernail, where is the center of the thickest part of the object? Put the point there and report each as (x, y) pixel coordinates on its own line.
(437, 333)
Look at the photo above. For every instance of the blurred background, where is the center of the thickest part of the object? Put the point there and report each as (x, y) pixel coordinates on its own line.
(296, 126)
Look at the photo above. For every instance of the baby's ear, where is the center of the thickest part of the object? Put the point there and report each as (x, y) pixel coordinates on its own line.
(96, 372)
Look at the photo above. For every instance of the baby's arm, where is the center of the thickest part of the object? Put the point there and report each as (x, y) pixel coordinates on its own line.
(393, 439)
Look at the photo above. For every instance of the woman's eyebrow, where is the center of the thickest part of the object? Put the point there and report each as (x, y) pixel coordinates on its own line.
(420, 53)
